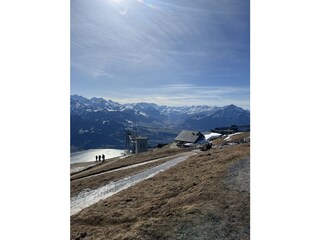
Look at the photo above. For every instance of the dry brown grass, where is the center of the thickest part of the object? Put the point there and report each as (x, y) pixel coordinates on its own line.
(80, 184)
(234, 138)
(133, 159)
(197, 199)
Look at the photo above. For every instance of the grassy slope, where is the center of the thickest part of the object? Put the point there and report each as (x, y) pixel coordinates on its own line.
(205, 197)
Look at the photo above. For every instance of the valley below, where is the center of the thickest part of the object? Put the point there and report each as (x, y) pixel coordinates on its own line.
(100, 123)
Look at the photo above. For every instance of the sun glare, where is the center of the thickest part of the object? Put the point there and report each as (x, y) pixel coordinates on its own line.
(121, 6)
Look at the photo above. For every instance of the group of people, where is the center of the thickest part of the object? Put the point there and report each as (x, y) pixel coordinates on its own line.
(98, 158)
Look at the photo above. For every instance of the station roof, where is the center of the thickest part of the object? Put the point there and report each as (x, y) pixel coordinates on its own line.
(140, 138)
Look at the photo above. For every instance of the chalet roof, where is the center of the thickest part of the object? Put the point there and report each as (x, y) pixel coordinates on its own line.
(189, 136)
(140, 138)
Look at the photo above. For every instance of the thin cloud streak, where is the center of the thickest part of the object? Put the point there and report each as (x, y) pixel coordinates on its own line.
(167, 50)
(185, 95)
(162, 40)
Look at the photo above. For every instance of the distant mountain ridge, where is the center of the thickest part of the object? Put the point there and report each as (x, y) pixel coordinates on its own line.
(97, 122)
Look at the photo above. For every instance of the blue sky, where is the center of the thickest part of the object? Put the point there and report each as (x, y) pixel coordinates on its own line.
(172, 52)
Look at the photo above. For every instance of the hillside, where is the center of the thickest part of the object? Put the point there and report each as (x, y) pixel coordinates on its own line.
(206, 196)
(97, 123)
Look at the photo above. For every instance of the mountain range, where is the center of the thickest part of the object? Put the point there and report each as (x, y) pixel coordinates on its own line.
(97, 123)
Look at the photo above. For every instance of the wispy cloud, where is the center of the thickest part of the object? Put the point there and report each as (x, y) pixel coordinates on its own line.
(146, 3)
(146, 38)
(99, 73)
(185, 94)
(168, 50)
(121, 6)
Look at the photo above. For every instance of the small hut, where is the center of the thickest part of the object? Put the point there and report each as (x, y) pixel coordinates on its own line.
(141, 144)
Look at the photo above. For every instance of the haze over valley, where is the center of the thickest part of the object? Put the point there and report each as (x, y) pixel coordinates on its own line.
(100, 123)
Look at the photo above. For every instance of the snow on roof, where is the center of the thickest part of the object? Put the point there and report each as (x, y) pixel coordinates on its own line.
(211, 136)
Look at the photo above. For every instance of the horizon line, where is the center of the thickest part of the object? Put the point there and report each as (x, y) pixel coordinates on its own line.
(123, 102)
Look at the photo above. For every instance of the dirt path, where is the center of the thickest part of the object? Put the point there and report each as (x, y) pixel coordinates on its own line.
(129, 160)
(120, 168)
(88, 198)
(95, 179)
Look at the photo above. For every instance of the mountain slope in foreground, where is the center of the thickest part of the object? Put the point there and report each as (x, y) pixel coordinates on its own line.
(205, 197)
